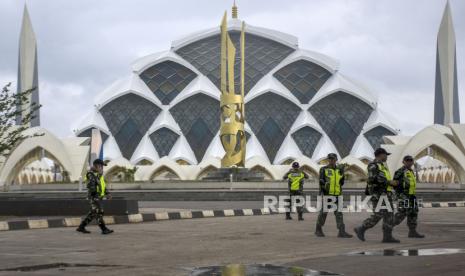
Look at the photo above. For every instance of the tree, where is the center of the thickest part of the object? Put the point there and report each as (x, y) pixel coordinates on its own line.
(11, 107)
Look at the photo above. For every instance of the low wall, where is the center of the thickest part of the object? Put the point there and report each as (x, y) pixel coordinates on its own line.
(200, 185)
(221, 194)
(65, 206)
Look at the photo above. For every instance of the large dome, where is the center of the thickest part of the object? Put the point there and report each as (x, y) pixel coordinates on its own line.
(297, 104)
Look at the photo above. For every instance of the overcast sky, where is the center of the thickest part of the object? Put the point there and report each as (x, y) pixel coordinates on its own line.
(85, 45)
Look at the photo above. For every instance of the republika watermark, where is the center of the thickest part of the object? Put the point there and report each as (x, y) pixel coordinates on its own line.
(355, 204)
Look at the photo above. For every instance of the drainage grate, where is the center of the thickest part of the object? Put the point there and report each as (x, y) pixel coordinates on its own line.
(410, 252)
(54, 265)
(256, 269)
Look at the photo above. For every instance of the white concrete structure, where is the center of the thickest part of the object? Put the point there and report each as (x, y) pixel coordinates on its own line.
(163, 118)
(445, 144)
(27, 69)
(71, 154)
(446, 104)
(164, 115)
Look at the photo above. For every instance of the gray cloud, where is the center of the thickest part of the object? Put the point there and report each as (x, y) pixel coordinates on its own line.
(84, 46)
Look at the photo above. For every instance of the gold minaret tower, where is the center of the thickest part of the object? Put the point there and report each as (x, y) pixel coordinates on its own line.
(232, 103)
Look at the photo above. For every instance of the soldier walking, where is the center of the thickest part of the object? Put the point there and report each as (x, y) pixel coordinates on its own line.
(331, 182)
(379, 187)
(407, 205)
(97, 191)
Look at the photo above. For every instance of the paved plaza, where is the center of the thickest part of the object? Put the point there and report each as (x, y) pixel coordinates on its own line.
(175, 247)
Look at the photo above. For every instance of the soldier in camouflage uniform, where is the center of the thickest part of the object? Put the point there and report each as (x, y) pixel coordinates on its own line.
(379, 185)
(96, 192)
(407, 205)
(331, 182)
(295, 178)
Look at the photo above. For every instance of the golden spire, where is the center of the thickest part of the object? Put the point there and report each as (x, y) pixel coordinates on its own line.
(234, 10)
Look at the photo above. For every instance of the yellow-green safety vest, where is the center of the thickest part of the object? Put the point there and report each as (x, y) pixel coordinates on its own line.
(387, 174)
(295, 178)
(103, 186)
(334, 176)
(412, 180)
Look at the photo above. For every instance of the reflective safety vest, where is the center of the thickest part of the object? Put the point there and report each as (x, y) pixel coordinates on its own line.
(103, 186)
(295, 178)
(334, 176)
(387, 174)
(412, 180)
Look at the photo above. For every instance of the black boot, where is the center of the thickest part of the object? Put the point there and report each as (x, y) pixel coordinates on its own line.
(288, 216)
(82, 228)
(360, 231)
(388, 238)
(342, 233)
(105, 230)
(412, 233)
(319, 231)
(301, 216)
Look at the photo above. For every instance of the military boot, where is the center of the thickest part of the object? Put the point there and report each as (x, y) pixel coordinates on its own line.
(342, 233)
(301, 216)
(319, 231)
(105, 230)
(412, 233)
(288, 216)
(360, 231)
(388, 238)
(82, 229)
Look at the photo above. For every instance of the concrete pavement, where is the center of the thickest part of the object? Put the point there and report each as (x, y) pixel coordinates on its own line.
(175, 247)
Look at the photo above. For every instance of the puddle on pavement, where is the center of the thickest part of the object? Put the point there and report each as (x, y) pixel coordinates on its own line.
(255, 270)
(53, 266)
(410, 252)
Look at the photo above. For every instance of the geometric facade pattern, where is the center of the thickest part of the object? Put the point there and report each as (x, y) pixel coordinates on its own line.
(307, 139)
(199, 119)
(303, 78)
(261, 55)
(163, 139)
(270, 117)
(167, 79)
(375, 136)
(342, 117)
(129, 117)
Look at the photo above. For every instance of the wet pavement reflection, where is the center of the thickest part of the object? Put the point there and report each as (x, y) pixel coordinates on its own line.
(410, 252)
(256, 270)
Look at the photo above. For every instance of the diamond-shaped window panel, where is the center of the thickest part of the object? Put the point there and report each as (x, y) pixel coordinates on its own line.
(307, 139)
(199, 119)
(375, 135)
(342, 117)
(167, 79)
(129, 117)
(163, 139)
(88, 133)
(270, 117)
(303, 78)
(261, 55)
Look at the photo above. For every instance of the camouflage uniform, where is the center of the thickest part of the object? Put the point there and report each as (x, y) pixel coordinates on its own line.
(378, 185)
(407, 204)
(295, 175)
(325, 190)
(96, 191)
